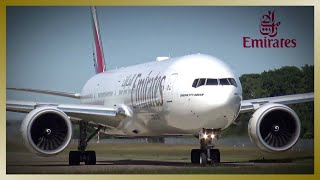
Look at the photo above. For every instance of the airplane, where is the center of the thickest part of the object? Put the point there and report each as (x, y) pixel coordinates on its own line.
(196, 95)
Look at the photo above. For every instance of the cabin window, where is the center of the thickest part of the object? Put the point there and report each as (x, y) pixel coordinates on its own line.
(212, 82)
(195, 82)
(224, 81)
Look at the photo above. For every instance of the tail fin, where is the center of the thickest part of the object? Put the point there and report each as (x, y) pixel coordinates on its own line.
(99, 62)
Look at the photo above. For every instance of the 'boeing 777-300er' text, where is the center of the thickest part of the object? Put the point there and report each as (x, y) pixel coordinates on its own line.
(191, 95)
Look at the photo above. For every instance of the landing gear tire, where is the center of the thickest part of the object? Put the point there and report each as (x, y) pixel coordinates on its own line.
(215, 156)
(195, 156)
(74, 157)
(203, 158)
(90, 158)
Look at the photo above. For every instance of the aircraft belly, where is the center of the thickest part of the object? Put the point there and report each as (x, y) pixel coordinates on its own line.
(150, 124)
(170, 120)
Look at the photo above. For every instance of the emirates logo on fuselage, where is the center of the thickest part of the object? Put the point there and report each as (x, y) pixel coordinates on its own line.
(269, 30)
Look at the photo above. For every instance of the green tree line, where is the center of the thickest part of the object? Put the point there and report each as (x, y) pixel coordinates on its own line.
(284, 81)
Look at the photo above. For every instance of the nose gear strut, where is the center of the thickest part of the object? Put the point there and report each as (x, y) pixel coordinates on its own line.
(206, 153)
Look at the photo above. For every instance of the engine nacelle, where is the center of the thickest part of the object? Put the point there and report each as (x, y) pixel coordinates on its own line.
(46, 131)
(274, 127)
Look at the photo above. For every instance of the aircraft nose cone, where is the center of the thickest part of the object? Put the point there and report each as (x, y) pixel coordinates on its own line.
(223, 107)
(231, 105)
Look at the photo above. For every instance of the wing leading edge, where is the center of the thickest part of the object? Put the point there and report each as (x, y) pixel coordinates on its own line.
(110, 117)
(253, 104)
(56, 93)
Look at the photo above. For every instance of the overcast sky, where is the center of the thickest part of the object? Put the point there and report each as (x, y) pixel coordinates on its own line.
(51, 47)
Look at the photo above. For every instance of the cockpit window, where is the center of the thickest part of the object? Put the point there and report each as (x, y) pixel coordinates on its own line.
(224, 81)
(195, 82)
(201, 82)
(212, 82)
(233, 82)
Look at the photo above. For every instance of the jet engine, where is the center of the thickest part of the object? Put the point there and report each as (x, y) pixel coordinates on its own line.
(46, 131)
(274, 127)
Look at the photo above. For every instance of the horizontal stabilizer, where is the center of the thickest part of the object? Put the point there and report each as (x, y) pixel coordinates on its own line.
(55, 93)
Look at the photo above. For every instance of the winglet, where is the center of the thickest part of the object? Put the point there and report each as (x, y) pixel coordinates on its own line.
(56, 93)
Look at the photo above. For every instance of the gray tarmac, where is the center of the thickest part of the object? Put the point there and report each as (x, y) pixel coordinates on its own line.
(158, 158)
(138, 156)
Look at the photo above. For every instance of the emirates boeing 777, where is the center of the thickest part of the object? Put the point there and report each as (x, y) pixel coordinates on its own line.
(195, 95)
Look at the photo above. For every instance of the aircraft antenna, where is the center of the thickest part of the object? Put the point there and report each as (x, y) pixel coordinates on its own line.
(94, 58)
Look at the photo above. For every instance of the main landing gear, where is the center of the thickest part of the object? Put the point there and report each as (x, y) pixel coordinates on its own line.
(206, 154)
(88, 157)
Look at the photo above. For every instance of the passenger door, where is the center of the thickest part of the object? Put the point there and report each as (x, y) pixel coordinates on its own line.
(170, 87)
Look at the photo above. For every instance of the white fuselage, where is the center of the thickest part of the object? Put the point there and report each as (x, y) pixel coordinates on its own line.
(160, 100)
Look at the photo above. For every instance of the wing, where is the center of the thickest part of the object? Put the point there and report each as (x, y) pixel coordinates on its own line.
(109, 117)
(253, 104)
(56, 93)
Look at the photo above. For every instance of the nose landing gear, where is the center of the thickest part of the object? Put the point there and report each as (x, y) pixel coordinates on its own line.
(206, 154)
